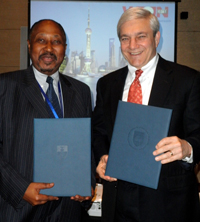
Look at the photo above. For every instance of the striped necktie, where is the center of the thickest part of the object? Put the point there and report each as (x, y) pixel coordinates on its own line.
(53, 99)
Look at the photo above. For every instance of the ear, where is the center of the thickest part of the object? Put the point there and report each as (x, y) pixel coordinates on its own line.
(29, 46)
(157, 38)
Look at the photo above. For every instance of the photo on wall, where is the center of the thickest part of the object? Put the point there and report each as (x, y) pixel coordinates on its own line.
(93, 47)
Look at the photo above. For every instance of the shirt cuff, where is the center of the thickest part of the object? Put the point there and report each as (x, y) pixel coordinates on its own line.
(189, 159)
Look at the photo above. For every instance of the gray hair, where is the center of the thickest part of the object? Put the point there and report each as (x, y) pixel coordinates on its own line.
(138, 13)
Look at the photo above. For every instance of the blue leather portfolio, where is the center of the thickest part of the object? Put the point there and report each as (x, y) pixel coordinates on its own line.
(137, 130)
(62, 155)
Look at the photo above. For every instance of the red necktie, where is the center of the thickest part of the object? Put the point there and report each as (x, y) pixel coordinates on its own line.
(135, 91)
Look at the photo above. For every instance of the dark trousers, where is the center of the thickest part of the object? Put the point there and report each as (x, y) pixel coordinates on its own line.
(136, 203)
(127, 203)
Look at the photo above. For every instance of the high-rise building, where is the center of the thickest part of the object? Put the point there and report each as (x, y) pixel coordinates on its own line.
(75, 62)
(112, 52)
(93, 61)
(121, 60)
(87, 61)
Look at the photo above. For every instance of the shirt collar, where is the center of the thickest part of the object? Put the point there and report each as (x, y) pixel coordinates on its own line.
(41, 78)
(152, 63)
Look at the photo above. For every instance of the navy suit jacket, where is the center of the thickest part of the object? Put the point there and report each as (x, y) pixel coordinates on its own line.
(178, 88)
(20, 102)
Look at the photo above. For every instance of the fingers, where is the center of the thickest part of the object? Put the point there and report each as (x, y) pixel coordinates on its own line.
(42, 199)
(33, 196)
(80, 198)
(170, 149)
(41, 186)
(110, 179)
(101, 169)
(167, 157)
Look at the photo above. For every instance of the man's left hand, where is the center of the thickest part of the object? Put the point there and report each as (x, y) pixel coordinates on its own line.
(172, 148)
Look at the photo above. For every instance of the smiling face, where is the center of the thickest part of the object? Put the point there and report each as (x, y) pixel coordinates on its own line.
(138, 45)
(47, 47)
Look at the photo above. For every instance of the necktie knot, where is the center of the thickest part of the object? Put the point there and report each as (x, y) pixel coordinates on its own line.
(138, 73)
(49, 80)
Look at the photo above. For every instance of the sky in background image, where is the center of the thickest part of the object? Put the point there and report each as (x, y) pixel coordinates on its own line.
(73, 16)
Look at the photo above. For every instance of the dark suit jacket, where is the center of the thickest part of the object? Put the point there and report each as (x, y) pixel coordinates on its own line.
(20, 102)
(178, 88)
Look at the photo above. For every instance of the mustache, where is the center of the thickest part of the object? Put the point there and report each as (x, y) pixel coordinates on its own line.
(48, 54)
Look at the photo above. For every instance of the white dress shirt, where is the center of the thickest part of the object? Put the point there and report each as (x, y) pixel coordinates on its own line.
(146, 81)
(41, 79)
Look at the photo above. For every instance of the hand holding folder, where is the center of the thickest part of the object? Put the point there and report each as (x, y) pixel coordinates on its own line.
(137, 130)
(101, 168)
(62, 155)
(33, 196)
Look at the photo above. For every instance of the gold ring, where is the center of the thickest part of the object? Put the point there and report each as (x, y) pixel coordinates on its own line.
(171, 153)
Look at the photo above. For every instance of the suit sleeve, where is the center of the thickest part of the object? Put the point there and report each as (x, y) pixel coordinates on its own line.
(192, 118)
(100, 135)
(12, 184)
(93, 164)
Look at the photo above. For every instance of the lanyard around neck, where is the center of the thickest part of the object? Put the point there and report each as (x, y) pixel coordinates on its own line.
(49, 103)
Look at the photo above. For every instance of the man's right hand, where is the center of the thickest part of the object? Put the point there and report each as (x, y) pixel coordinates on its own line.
(101, 168)
(33, 196)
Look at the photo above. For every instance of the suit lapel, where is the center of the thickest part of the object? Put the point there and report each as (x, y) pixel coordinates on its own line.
(68, 95)
(117, 88)
(32, 91)
(161, 84)
(160, 88)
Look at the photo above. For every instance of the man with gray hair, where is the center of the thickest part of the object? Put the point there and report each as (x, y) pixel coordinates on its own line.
(150, 80)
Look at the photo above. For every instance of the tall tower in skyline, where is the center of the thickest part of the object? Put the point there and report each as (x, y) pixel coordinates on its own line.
(88, 60)
(111, 52)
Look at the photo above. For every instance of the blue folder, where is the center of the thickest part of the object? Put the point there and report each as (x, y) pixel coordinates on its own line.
(137, 130)
(62, 155)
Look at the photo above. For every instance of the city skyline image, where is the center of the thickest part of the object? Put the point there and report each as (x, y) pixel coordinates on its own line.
(93, 47)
